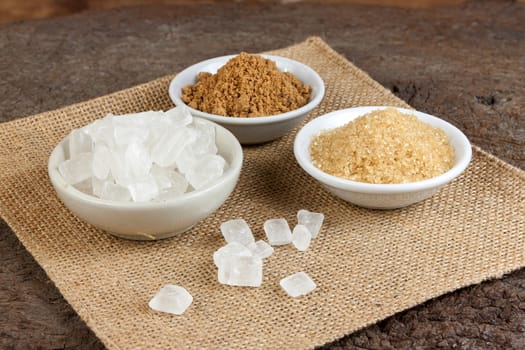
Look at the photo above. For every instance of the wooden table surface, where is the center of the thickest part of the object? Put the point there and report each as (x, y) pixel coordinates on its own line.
(463, 63)
(15, 10)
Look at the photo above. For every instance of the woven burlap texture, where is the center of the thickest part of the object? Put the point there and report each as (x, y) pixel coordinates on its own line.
(367, 264)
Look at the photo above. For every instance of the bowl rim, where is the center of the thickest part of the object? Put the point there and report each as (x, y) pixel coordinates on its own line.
(303, 139)
(233, 170)
(175, 93)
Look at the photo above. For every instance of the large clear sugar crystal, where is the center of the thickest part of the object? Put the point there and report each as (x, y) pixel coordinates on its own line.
(313, 221)
(171, 299)
(277, 231)
(243, 271)
(297, 284)
(260, 249)
(237, 230)
(230, 249)
(205, 170)
(101, 161)
(301, 237)
(76, 169)
(79, 142)
(114, 192)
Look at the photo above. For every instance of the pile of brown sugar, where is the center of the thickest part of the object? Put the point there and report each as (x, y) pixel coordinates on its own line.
(247, 86)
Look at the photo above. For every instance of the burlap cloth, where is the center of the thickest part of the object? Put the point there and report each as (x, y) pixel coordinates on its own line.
(367, 264)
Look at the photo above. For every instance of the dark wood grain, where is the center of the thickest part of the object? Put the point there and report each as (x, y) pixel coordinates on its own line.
(16, 10)
(463, 63)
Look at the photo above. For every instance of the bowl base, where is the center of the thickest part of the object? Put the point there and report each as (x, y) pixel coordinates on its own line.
(142, 236)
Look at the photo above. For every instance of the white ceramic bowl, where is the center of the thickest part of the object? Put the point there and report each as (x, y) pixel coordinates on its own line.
(256, 129)
(379, 196)
(151, 220)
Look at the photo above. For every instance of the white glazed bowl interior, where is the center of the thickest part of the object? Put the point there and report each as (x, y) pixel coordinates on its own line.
(379, 196)
(256, 129)
(150, 220)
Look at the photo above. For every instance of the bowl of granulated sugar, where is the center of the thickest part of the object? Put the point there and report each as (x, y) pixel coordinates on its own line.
(258, 98)
(382, 157)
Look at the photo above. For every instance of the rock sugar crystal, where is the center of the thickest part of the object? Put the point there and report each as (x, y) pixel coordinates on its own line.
(301, 237)
(313, 221)
(237, 230)
(277, 231)
(171, 299)
(297, 284)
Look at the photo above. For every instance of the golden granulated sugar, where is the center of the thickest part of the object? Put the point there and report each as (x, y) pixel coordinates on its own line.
(383, 147)
(247, 86)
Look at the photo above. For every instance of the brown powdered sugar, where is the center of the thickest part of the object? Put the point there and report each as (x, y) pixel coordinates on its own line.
(247, 86)
(381, 147)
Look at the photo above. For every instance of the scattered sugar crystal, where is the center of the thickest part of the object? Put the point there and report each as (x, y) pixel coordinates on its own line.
(297, 284)
(101, 161)
(154, 155)
(313, 221)
(79, 142)
(301, 237)
(260, 249)
(171, 299)
(237, 230)
(244, 271)
(230, 249)
(278, 231)
(76, 169)
(114, 192)
(205, 170)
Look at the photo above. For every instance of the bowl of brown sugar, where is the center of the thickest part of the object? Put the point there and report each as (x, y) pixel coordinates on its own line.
(258, 98)
(382, 157)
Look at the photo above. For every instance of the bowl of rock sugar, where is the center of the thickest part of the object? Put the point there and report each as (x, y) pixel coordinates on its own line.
(382, 157)
(146, 176)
